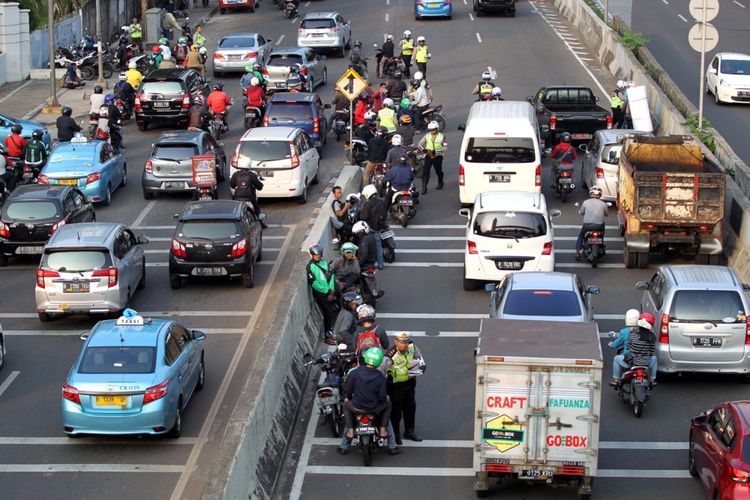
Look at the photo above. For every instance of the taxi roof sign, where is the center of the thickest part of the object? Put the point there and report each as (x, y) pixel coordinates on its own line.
(130, 318)
(351, 84)
(79, 138)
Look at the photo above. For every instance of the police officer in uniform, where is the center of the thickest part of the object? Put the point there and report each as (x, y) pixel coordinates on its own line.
(402, 361)
(435, 145)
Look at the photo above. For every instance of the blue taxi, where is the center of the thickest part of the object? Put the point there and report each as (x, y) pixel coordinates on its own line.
(433, 8)
(94, 167)
(134, 375)
(7, 122)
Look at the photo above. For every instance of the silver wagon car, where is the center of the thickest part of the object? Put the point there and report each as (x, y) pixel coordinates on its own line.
(89, 268)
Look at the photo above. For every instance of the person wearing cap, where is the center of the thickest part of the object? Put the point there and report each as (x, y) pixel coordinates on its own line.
(321, 282)
(402, 363)
(346, 268)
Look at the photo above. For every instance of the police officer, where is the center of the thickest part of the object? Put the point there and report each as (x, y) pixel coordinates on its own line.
(435, 145)
(403, 362)
(421, 55)
(618, 108)
(407, 49)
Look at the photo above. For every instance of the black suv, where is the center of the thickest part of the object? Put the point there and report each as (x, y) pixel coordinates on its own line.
(33, 213)
(215, 238)
(166, 95)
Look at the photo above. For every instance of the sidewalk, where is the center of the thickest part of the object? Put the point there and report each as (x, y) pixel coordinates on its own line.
(26, 99)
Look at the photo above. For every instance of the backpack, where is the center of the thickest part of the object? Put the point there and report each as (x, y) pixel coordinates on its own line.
(379, 214)
(367, 339)
(244, 187)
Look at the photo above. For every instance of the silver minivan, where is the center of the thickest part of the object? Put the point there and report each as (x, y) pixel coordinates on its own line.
(701, 319)
(91, 267)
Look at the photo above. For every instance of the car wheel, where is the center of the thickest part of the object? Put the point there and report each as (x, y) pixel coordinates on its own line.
(142, 281)
(148, 195)
(3, 260)
(201, 376)
(176, 430)
(124, 175)
(708, 89)
(716, 97)
(143, 126)
(325, 76)
(107, 196)
(248, 277)
(175, 282)
(44, 317)
(691, 457)
(260, 251)
(302, 199)
(2, 353)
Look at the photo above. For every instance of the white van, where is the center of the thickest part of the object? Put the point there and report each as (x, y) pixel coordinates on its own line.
(500, 150)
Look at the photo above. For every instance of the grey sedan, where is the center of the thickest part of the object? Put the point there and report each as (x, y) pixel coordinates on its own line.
(237, 50)
(282, 59)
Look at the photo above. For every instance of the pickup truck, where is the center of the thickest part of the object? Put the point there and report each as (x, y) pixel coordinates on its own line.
(538, 397)
(670, 198)
(570, 109)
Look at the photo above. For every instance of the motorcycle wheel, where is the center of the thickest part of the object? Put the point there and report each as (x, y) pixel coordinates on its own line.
(404, 218)
(364, 445)
(107, 71)
(248, 124)
(334, 422)
(87, 72)
(594, 256)
(637, 409)
(339, 132)
(389, 254)
(563, 194)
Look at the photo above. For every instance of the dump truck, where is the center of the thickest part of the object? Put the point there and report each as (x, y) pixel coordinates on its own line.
(670, 199)
(538, 394)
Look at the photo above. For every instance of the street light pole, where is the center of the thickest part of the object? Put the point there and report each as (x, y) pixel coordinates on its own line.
(100, 54)
(52, 73)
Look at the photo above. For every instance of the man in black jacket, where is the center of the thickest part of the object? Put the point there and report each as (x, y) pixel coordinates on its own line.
(377, 150)
(66, 125)
(386, 53)
(245, 183)
(374, 212)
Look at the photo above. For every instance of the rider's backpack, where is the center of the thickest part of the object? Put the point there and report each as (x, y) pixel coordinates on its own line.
(244, 189)
(367, 339)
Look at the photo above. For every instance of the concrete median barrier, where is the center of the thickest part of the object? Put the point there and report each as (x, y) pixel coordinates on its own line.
(261, 426)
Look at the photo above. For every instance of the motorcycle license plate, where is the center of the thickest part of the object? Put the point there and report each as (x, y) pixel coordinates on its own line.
(508, 265)
(387, 234)
(541, 474)
(595, 241)
(499, 177)
(161, 104)
(640, 381)
(331, 400)
(564, 180)
(707, 341)
(405, 202)
(365, 430)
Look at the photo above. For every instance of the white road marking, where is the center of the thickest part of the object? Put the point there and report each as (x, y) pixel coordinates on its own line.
(21, 87)
(738, 4)
(99, 468)
(386, 17)
(466, 443)
(438, 226)
(471, 16)
(278, 41)
(479, 38)
(431, 238)
(682, 17)
(294, 20)
(469, 472)
(564, 250)
(62, 441)
(67, 333)
(644, 445)
(645, 473)
(388, 2)
(430, 250)
(465, 2)
(307, 4)
(141, 216)
(466, 316)
(218, 401)
(8, 380)
(171, 228)
(577, 265)
(607, 239)
(665, 2)
(304, 457)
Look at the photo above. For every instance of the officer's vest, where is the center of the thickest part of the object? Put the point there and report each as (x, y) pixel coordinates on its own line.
(399, 370)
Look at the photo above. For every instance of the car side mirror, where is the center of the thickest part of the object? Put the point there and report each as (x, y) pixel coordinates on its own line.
(641, 285)
(713, 71)
(462, 127)
(489, 287)
(592, 290)
(465, 212)
(198, 335)
(176, 216)
(142, 240)
(553, 214)
(745, 287)
(84, 336)
(584, 148)
(701, 419)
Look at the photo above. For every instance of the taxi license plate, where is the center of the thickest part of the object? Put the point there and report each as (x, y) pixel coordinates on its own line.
(108, 400)
(29, 250)
(535, 474)
(68, 182)
(365, 430)
(707, 341)
(159, 104)
(76, 287)
(209, 271)
(499, 177)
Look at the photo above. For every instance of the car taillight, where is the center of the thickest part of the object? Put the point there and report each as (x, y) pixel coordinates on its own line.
(4, 230)
(239, 248)
(58, 225)
(155, 392)
(44, 273)
(185, 101)
(747, 330)
(137, 103)
(538, 175)
(110, 273)
(461, 175)
(251, 55)
(149, 167)
(599, 173)
(704, 229)
(363, 419)
(316, 125)
(93, 177)
(472, 247)
(43, 179)
(71, 394)
(609, 121)
(664, 330)
(218, 56)
(740, 476)
(264, 71)
(565, 173)
(552, 122)
(295, 158)
(178, 249)
(547, 250)
(325, 393)
(265, 120)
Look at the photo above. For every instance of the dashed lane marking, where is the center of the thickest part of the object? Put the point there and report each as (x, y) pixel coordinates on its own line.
(738, 4)
(469, 472)
(8, 380)
(152, 313)
(98, 468)
(682, 17)
(386, 17)
(68, 333)
(278, 42)
(63, 441)
(479, 38)
(471, 16)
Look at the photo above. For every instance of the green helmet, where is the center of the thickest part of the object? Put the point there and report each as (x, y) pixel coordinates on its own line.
(373, 356)
(348, 247)
(163, 41)
(405, 103)
(249, 68)
(182, 40)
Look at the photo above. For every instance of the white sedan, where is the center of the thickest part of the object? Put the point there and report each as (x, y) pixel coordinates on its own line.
(728, 78)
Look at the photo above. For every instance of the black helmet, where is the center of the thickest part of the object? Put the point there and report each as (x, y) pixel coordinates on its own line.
(415, 83)
(397, 75)
(382, 130)
(402, 159)
(352, 297)
(67, 111)
(98, 89)
(565, 137)
(16, 128)
(358, 44)
(37, 135)
(316, 249)
(218, 86)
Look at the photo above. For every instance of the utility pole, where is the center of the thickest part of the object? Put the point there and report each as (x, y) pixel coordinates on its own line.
(52, 105)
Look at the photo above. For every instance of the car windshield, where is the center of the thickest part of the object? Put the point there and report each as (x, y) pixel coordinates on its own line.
(237, 42)
(708, 305)
(175, 151)
(265, 150)
(31, 210)
(76, 260)
(161, 88)
(290, 111)
(317, 24)
(542, 303)
(118, 360)
(735, 67)
(500, 150)
(208, 230)
(286, 60)
(509, 224)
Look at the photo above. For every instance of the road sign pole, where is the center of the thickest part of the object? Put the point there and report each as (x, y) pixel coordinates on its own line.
(703, 68)
(351, 132)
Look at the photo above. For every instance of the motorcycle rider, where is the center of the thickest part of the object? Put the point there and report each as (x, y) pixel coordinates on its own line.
(368, 334)
(321, 283)
(256, 96)
(340, 105)
(404, 108)
(420, 100)
(115, 120)
(194, 60)
(377, 150)
(181, 50)
(36, 152)
(484, 88)
(66, 125)
(387, 116)
(406, 130)
(396, 152)
(360, 109)
(641, 347)
(396, 86)
(594, 212)
(346, 321)
(15, 145)
(386, 54)
(218, 102)
(435, 146)
(564, 152)
(123, 90)
(400, 175)
(374, 212)
(154, 58)
(406, 46)
(96, 100)
(357, 60)
(402, 362)
(167, 62)
(345, 268)
(134, 77)
(246, 184)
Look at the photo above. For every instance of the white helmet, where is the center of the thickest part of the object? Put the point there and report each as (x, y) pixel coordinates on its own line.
(486, 76)
(388, 102)
(352, 198)
(254, 81)
(433, 125)
(361, 226)
(420, 38)
(631, 317)
(407, 34)
(496, 91)
(368, 191)
(203, 51)
(389, 37)
(132, 65)
(418, 75)
(370, 115)
(595, 192)
(396, 140)
(620, 85)
(244, 163)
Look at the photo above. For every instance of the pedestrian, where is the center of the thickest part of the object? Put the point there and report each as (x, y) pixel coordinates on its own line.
(136, 33)
(407, 49)
(421, 55)
(435, 146)
(320, 278)
(403, 363)
(195, 60)
(346, 321)
(66, 125)
(169, 24)
(618, 108)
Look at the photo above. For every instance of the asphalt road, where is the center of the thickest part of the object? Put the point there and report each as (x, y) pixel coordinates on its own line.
(644, 457)
(37, 458)
(666, 24)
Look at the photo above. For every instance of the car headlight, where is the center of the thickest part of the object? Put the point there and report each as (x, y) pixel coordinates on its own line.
(724, 83)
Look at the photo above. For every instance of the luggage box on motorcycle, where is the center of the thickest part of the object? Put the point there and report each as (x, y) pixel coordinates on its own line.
(204, 171)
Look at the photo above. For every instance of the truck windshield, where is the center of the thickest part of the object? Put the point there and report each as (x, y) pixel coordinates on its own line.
(500, 150)
(542, 303)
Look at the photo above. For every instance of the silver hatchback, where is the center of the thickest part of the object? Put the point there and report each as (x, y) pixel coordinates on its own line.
(701, 319)
(92, 267)
(325, 30)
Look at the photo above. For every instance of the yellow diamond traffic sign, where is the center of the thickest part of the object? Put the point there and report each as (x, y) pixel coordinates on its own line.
(351, 84)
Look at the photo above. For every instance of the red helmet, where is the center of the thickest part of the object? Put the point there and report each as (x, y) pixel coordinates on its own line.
(646, 320)
(155, 49)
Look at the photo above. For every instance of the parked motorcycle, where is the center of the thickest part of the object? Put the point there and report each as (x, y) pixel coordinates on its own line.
(563, 182)
(328, 396)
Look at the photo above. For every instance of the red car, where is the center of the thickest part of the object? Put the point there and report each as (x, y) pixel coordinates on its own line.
(237, 4)
(720, 450)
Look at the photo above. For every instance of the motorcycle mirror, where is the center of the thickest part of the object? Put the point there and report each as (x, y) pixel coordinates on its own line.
(142, 240)
(307, 358)
(641, 285)
(462, 127)
(554, 214)
(465, 212)
(262, 217)
(584, 148)
(612, 334)
(176, 216)
(592, 290)
(341, 347)
(221, 145)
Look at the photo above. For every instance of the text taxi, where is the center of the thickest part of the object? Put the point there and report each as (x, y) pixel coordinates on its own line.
(133, 376)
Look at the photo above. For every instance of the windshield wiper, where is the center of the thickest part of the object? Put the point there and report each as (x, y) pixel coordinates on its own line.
(169, 159)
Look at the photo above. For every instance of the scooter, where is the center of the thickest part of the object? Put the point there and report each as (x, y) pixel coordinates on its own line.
(593, 247)
(252, 117)
(635, 385)
(563, 182)
(402, 205)
(217, 126)
(369, 440)
(378, 178)
(341, 118)
(328, 396)
(388, 240)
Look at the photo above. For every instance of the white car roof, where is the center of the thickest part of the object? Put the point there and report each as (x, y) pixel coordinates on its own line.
(510, 200)
(269, 134)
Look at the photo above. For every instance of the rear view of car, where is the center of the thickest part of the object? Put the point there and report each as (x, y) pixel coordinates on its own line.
(225, 5)
(237, 50)
(302, 110)
(433, 8)
(324, 30)
(277, 69)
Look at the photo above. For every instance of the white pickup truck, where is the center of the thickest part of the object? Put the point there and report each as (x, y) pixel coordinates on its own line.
(538, 393)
